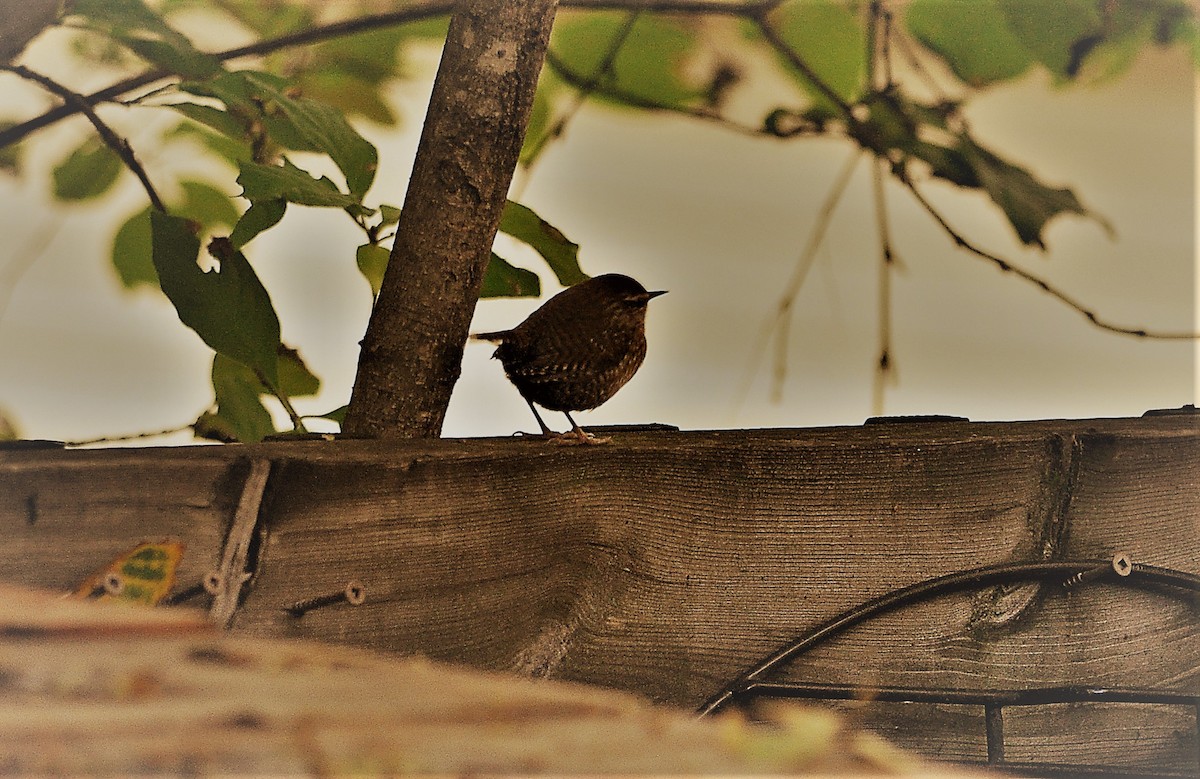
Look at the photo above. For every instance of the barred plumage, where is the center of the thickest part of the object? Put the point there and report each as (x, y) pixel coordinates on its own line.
(579, 348)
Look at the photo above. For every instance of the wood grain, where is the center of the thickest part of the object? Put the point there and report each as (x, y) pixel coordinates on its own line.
(667, 563)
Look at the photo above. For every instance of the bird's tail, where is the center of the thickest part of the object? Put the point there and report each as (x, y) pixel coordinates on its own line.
(495, 337)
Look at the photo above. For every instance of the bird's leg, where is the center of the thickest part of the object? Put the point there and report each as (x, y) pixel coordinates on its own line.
(546, 432)
(577, 435)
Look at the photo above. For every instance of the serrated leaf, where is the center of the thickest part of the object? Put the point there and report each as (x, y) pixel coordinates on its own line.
(228, 307)
(830, 40)
(1028, 203)
(971, 36)
(287, 182)
(86, 173)
(372, 260)
(260, 216)
(560, 253)
(324, 129)
(502, 280)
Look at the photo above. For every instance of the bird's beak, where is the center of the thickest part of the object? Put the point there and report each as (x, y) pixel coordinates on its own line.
(655, 293)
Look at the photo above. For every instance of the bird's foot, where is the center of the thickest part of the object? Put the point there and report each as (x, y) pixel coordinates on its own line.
(577, 437)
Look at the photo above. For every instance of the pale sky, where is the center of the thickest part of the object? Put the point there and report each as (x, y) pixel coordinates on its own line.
(719, 220)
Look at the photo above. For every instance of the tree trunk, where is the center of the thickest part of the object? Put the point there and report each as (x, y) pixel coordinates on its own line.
(412, 352)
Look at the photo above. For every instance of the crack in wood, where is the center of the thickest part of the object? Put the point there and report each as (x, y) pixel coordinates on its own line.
(1004, 607)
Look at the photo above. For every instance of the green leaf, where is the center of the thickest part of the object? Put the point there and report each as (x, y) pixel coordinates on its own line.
(241, 415)
(971, 36)
(1049, 29)
(372, 260)
(651, 63)
(337, 415)
(228, 307)
(561, 254)
(87, 173)
(502, 280)
(10, 155)
(229, 149)
(137, 27)
(829, 38)
(287, 182)
(260, 216)
(220, 120)
(388, 215)
(131, 252)
(295, 379)
(325, 129)
(1028, 203)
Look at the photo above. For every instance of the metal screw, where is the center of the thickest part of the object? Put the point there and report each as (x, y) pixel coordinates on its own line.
(353, 593)
(1121, 564)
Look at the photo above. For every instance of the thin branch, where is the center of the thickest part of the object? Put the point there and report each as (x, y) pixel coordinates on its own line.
(417, 12)
(119, 145)
(587, 87)
(771, 35)
(780, 322)
(1042, 284)
(885, 368)
(632, 100)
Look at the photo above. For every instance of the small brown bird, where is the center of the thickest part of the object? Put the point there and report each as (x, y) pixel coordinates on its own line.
(578, 349)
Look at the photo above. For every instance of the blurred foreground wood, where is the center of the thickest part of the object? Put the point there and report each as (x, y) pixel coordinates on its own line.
(666, 563)
(109, 689)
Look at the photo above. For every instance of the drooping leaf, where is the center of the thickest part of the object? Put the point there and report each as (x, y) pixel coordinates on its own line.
(232, 150)
(829, 38)
(324, 129)
(240, 415)
(86, 173)
(560, 253)
(228, 307)
(1028, 203)
(287, 182)
(502, 280)
(218, 119)
(131, 250)
(260, 216)
(971, 36)
(372, 260)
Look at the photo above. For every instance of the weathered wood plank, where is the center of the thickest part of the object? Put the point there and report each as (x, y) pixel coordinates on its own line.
(666, 563)
(93, 689)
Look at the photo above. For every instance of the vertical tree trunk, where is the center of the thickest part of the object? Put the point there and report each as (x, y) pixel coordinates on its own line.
(412, 352)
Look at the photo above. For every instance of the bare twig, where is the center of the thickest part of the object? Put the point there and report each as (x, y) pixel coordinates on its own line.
(779, 323)
(885, 369)
(586, 87)
(636, 101)
(119, 145)
(771, 35)
(1040, 283)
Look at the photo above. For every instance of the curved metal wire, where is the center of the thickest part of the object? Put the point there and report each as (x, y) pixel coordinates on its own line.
(1078, 571)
